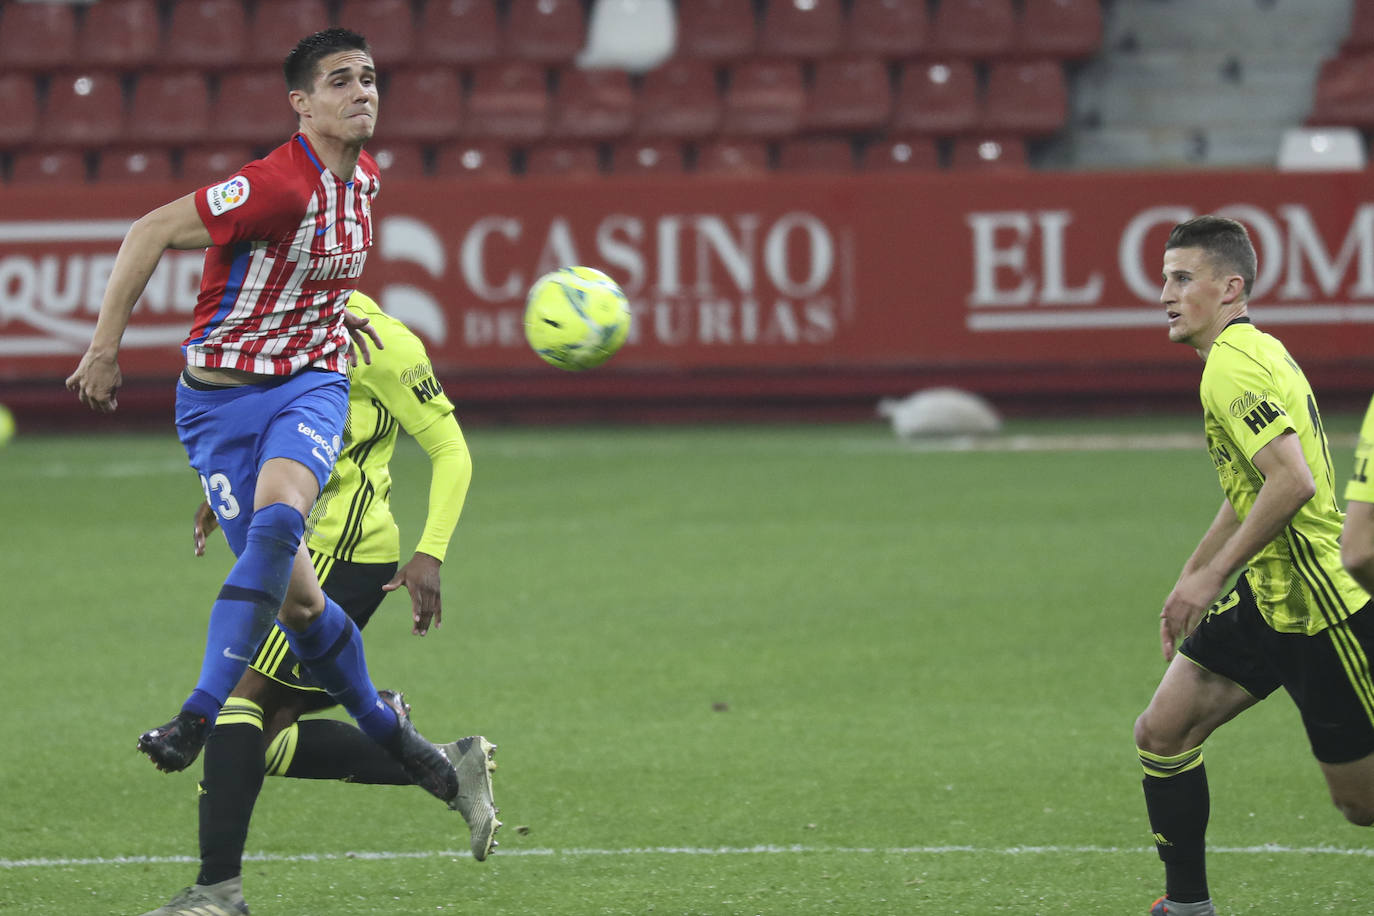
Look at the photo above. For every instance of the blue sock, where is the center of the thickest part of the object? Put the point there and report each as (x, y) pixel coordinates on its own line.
(331, 649)
(246, 605)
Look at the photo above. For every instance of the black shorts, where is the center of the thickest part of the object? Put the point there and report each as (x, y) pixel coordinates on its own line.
(355, 587)
(1326, 674)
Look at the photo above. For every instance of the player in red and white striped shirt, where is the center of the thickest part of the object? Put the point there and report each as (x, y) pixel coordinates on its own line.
(262, 400)
(290, 239)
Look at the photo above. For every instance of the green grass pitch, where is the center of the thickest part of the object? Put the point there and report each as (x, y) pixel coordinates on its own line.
(745, 670)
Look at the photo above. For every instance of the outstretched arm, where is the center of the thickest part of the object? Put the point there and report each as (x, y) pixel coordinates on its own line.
(175, 225)
(1229, 543)
(450, 474)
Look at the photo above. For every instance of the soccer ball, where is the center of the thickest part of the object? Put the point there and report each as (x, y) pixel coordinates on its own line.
(576, 318)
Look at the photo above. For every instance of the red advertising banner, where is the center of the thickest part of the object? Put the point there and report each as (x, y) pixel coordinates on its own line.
(1047, 271)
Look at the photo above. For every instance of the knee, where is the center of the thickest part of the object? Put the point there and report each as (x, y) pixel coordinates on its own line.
(278, 523)
(1149, 738)
(1359, 811)
(298, 614)
(278, 720)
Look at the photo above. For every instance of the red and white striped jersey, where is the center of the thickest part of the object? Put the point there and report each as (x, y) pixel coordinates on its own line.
(290, 238)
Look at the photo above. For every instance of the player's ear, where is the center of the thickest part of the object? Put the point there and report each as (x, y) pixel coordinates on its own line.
(1235, 289)
(300, 102)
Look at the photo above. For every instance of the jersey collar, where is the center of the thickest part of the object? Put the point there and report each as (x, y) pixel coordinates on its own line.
(315, 160)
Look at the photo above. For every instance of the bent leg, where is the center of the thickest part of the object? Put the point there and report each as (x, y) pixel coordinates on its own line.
(330, 647)
(1352, 789)
(250, 598)
(1189, 704)
(329, 749)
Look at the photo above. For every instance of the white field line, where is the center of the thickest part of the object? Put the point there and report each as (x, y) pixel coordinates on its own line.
(767, 849)
(1068, 442)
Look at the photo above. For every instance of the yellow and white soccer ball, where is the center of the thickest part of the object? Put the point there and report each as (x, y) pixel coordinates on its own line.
(576, 318)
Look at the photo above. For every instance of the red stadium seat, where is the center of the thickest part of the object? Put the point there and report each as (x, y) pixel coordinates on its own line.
(508, 101)
(936, 97)
(733, 156)
(719, 30)
(459, 32)
(569, 160)
(816, 154)
(211, 34)
(482, 160)
(38, 36)
(848, 94)
(765, 98)
(1360, 37)
(801, 28)
(400, 160)
(279, 24)
(123, 34)
(122, 165)
(1025, 97)
(19, 102)
(888, 28)
(205, 165)
(422, 104)
(1342, 93)
(261, 92)
(388, 25)
(1067, 29)
(50, 166)
(986, 152)
(83, 109)
(679, 99)
(545, 31)
(647, 157)
(901, 155)
(171, 107)
(973, 28)
(592, 105)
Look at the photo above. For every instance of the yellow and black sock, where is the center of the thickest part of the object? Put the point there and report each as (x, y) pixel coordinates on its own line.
(229, 788)
(1179, 805)
(330, 749)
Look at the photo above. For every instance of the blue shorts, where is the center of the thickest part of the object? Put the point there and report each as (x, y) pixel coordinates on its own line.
(229, 433)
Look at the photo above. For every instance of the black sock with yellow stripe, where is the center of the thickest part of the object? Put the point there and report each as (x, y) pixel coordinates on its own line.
(1179, 805)
(229, 788)
(330, 749)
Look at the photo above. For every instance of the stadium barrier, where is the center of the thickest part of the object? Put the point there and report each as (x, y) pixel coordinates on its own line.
(811, 295)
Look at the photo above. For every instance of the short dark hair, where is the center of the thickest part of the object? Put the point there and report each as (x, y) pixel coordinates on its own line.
(299, 66)
(1226, 242)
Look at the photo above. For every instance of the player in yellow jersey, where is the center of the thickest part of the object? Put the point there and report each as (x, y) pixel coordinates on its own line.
(1294, 617)
(1357, 541)
(355, 547)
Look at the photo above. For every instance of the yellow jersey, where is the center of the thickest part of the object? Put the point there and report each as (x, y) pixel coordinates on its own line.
(1360, 487)
(352, 518)
(1252, 391)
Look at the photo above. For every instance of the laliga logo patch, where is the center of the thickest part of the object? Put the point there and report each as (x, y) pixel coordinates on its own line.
(225, 197)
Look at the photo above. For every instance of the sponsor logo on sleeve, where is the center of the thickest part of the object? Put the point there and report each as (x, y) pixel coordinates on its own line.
(224, 197)
(1257, 410)
(421, 382)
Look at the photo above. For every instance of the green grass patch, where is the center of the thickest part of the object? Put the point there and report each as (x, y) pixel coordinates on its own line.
(742, 670)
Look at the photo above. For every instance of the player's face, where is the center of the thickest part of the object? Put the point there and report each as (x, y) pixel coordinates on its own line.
(1193, 296)
(342, 104)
